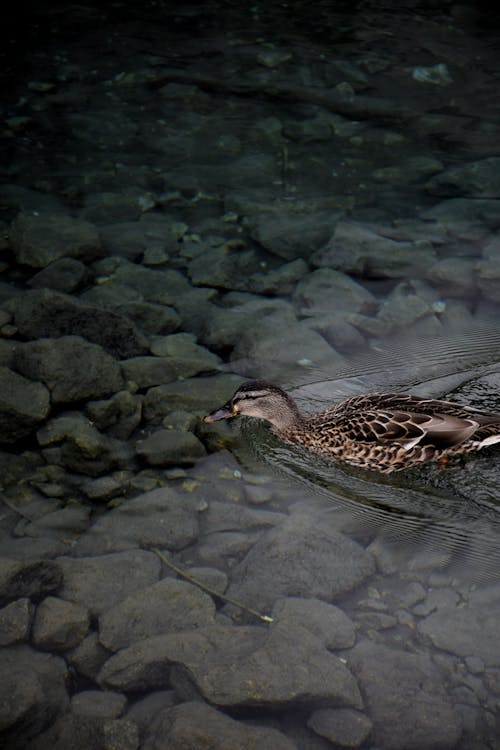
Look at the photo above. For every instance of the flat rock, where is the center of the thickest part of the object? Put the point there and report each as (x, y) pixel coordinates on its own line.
(40, 239)
(148, 371)
(99, 583)
(237, 666)
(406, 699)
(170, 447)
(196, 725)
(43, 313)
(58, 364)
(199, 394)
(159, 518)
(301, 557)
(23, 405)
(59, 625)
(168, 606)
(32, 579)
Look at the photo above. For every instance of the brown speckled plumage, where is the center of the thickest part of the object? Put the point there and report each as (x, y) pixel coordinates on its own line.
(383, 432)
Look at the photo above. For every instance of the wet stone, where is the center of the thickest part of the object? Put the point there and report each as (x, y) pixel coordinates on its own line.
(150, 318)
(119, 415)
(170, 447)
(69, 521)
(166, 607)
(196, 724)
(23, 405)
(15, 621)
(31, 579)
(88, 657)
(289, 234)
(317, 290)
(327, 622)
(194, 394)
(342, 726)
(59, 625)
(98, 704)
(477, 179)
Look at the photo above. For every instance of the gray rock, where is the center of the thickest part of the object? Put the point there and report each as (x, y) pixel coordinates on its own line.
(342, 726)
(98, 704)
(399, 687)
(82, 448)
(66, 522)
(407, 303)
(325, 290)
(40, 239)
(15, 621)
(198, 394)
(475, 626)
(59, 625)
(32, 693)
(218, 267)
(457, 211)
(279, 280)
(327, 622)
(478, 179)
(149, 317)
(99, 583)
(224, 549)
(132, 239)
(43, 313)
(196, 725)
(160, 518)
(119, 415)
(170, 447)
(110, 208)
(145, 710)
(301, 557)
(63, 275)
(107, 487)
(160, 286)
(32, 579)
(237, 666)
(290, 234)
(177, 357)
(455, 276)
(88, 657)
(72, 369)
(357, 248)
(23, 405)
(168, 606)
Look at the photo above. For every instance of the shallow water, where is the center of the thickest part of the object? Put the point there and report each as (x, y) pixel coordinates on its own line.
(312, 196)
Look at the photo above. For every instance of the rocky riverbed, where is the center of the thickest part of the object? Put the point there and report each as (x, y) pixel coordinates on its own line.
(194, 194)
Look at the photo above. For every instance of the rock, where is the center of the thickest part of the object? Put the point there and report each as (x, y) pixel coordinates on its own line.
(399, 687)
(58, 363)
(220, 268)
(406, 304)
(177, 357)
(119, 415)
(326, 290)
(478, 179)
(15, 622)
(327, 622)
(81, 447)
(342, 726)
(468, 211)
(88, 657)
(99, 583)
(132, 239)
(455, 276)
(359, 249)
(43, 313)
(159, 286)
(98, 704)
(197, 394)
(170, 447)
(165, 607)
(23, 405)
(289, 233)
(32, 579)
(32, 693)
(237, 666)
(160, 518)
(196, 725)
(63, 275)
(69, 521)
(150, 318)
(40, 239)
(474, 626)
(59, 625)
(279, 280)
(301, 557)
(110, 208)
(107, 487)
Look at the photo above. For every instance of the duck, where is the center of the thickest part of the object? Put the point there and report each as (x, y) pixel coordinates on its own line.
(383, 432)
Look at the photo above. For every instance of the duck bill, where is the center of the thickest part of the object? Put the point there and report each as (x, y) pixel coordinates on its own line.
(223, 413)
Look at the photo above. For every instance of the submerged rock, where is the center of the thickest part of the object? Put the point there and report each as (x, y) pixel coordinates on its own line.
(59, 625)
(32, 579)
(15, 621)
(63, 275)
(170, 448)
(23, 405)
(40, 239)
(342, 726)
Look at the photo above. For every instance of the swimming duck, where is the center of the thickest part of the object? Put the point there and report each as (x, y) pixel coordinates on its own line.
(382, 432)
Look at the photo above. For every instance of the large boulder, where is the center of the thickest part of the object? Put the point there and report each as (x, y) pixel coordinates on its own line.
(40, 239)
(23, 405)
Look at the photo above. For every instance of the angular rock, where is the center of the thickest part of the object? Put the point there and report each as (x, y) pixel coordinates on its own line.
(63, 275)
(59, 625)
(196, 725)
(327, 622)
(23, 405)
(301, 557)
(43, 313)
(99, 583)
(218, 267)
(32, 579)
(88, 657)
(148, 371)
(342, 726)
(165, 607)
(149, 317)
(40, 239)
(72, 369)
(455, 276)
(118, 415)
(237, 666)
(15, 622)
(400, 688)
(195, 394)
(289, 234)
(170, 447)
(160, 518)
(358, 249)
(326, 290)
(477, 179)
(32, 693)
